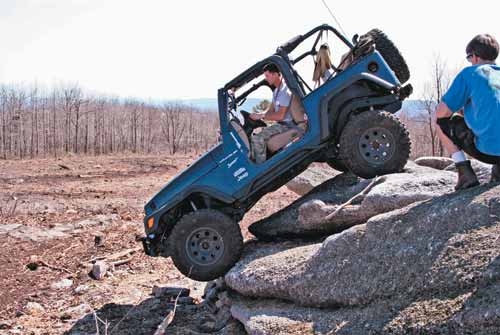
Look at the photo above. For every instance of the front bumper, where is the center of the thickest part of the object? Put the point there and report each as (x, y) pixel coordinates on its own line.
(151, 246)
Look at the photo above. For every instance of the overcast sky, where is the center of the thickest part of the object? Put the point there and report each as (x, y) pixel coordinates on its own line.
(163, 49)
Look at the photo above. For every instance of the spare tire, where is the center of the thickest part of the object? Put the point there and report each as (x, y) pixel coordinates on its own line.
(390, 53)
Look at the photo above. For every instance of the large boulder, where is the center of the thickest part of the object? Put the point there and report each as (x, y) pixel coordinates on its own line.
(445, 246)
(310, 215)
(439, 163)
(314, 176)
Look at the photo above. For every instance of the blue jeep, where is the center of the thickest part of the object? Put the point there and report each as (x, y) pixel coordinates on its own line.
(350, 125)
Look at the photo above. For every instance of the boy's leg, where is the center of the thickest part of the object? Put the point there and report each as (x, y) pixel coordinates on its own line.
(453, 144)
(444, 133)
(462, 138)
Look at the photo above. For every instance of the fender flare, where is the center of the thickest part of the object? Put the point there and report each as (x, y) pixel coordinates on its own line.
(330, 119)
(179, 198)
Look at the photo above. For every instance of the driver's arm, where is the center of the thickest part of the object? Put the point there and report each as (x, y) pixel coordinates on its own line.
(271, 115)
(260, 116)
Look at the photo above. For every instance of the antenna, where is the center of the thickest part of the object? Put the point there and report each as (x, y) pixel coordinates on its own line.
(337, 21)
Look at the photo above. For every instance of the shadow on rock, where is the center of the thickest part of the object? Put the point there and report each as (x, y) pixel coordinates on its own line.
(141, 319)
(124, 319)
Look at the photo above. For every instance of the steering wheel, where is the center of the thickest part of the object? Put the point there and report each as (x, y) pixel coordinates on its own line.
(251, 124)
(254, 124)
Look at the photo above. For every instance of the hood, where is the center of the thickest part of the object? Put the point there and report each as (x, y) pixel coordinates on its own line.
(177, 186)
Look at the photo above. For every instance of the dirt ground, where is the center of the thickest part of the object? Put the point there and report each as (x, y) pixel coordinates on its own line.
(58, 215)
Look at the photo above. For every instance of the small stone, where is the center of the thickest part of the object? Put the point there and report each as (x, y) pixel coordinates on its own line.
(71, 211)
(65, 317)
(211, 294)
(208, 287)
(6, 324)
(127, 217)
(33, 266)
(99, 270)
(81, 289)
(65, 283)
(98, 240)
(78, 311)
(34, 308)
(170, 291)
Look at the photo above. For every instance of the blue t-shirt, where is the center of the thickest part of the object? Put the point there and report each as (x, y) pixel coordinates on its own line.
(476, 89)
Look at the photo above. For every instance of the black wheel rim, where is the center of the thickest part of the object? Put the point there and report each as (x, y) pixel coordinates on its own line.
(377, 146)
(204, 246)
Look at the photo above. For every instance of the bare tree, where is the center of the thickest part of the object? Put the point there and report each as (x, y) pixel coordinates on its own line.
(422, 122)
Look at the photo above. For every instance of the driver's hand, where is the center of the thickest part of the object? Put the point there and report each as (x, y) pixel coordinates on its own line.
(257, 116)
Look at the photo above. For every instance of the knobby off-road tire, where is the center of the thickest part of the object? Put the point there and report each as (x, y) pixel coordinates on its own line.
(374, 143)
(205, 244)
(390, 53)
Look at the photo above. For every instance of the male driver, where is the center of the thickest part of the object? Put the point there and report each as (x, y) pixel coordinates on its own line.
(278, 111)
(476, 130)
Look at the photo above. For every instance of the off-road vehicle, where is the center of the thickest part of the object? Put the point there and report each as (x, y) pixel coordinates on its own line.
(347, 122)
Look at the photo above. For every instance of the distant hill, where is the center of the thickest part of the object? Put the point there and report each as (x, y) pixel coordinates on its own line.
(210, 104)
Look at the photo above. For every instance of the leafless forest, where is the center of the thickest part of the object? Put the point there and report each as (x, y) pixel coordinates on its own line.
(36, 123)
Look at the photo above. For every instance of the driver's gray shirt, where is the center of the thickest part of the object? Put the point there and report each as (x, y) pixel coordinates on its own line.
(282, 98)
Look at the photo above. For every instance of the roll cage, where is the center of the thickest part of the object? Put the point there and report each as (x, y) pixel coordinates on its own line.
(283, 52)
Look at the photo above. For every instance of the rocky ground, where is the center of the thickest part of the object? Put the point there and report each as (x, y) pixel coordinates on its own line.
(60, 216)
(399, 254)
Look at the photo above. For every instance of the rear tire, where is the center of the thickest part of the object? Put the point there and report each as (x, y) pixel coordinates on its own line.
(205, 244)
(374, 143)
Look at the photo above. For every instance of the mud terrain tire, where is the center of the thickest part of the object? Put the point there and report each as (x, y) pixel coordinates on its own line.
(205, 244)
(374, 143)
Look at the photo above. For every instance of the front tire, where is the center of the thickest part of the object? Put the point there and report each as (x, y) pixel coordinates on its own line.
(205, 244)
(374, 143)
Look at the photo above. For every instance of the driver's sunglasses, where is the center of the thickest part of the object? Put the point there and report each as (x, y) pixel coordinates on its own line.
(469, 57)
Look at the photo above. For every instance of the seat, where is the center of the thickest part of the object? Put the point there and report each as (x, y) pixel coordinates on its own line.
(278, 142)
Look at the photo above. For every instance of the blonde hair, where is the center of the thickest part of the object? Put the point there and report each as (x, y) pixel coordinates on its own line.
(323, 62)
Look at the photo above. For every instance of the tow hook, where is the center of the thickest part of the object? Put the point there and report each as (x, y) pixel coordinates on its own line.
(148, 245)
